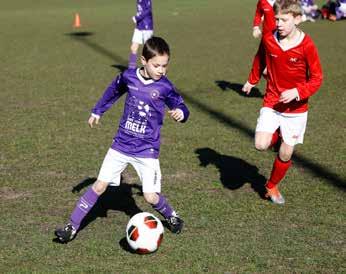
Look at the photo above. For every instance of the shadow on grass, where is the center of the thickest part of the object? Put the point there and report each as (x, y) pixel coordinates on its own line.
(225, 85)
(117, 198)
(121, 68)
(234, 172)
(314, 168)
(83, 38)
(80, 34)
(299, 160)
(125, 246)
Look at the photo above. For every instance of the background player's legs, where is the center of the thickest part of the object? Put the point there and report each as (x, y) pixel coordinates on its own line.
(137, 39)
(133, 55)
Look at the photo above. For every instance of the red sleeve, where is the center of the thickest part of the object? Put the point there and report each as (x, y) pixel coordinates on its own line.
(315, 75)
(258, 65)
(258, 15)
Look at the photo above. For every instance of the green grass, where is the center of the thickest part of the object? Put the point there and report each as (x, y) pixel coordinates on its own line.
(49, 82)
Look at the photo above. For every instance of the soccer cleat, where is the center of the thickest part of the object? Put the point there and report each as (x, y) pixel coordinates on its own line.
(275, 195)
(66, 234)
(175, 224)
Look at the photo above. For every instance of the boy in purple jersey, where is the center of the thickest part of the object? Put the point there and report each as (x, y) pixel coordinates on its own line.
(144, 29)
(334, 10)
(340, 10)
(310, 10)
(137, 141)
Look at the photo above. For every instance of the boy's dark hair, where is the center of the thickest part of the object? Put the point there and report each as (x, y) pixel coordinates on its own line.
(155, 46)
(288, 6)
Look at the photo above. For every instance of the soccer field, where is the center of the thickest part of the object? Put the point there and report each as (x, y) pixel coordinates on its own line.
(52, 75)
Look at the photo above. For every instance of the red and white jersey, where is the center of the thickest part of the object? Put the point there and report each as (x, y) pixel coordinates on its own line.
(265, 9)
(296, 67)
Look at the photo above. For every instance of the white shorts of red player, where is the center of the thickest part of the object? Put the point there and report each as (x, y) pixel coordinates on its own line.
(292, 125)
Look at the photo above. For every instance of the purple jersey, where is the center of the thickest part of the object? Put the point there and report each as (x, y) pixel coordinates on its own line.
(144, 15)
(340, 9)
(307, 2)
(144, 110)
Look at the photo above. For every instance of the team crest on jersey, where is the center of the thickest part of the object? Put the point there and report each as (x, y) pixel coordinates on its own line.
(294, 59)
(154, 94)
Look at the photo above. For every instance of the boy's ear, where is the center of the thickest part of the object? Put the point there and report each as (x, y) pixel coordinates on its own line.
(297, 20)
(143, 61)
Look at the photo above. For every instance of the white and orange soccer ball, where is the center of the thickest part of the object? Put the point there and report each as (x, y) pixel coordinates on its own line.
(144, 233)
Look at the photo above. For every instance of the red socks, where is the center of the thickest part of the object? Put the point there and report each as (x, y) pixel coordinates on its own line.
(278, 172)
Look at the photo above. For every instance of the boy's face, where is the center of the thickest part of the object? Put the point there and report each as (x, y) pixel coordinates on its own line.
(286, 23)
(155, 67)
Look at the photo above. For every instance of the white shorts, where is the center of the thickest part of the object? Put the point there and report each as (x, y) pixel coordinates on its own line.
(342, 8)
(141, 36)
(292, 125)
(148, 170)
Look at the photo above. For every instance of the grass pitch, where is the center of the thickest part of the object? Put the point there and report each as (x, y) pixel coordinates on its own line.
(52, 75)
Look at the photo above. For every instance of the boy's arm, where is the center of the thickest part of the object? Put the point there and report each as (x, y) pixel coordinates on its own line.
(258, 65)
(315, 74)
(141, 15)
(258, 15)
(110, 95)
(175, 103)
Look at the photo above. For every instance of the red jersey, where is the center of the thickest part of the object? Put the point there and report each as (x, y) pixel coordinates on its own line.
(297, 67)
(265, 9)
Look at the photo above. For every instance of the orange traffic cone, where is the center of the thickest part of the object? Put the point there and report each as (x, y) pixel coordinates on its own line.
(77, 23)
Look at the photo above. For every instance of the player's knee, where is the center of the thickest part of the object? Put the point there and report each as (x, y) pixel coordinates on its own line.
(99, 187)
(134, 48)
(151, 198)
(261, 146)
(285, 156)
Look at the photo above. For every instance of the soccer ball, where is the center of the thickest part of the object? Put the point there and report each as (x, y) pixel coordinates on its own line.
(144, 233)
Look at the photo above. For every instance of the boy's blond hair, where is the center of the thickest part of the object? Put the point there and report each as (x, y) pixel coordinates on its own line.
(288, 6)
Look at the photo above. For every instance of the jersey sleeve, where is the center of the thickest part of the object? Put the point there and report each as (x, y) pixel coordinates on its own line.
(315, 75)
(258, 15)
(258, 65)
(174, 100)
(112, 93)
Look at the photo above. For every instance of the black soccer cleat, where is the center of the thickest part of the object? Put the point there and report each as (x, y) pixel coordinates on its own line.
(175, 224)
(65, 234)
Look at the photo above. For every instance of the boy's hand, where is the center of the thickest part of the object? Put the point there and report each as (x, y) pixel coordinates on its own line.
(247, 87)
(289, 95)
(256, 32)
(93, 119)
(177, 114)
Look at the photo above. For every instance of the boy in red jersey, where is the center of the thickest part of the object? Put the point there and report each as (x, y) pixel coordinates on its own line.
(264, 12)
(294, 74)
